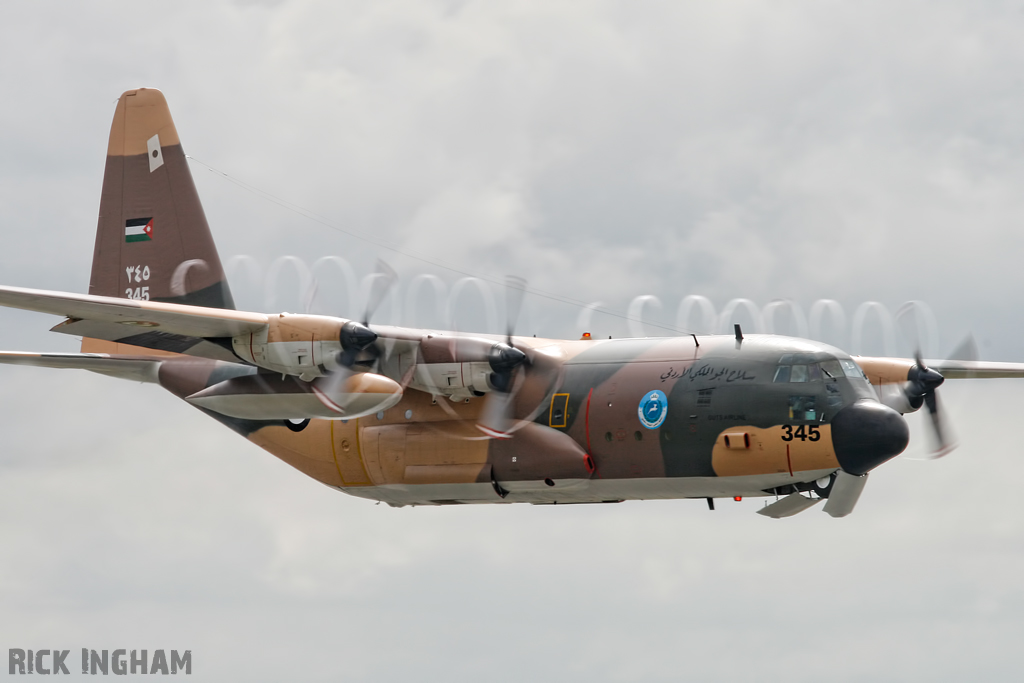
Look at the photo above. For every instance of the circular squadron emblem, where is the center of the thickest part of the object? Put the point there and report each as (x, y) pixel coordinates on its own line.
(653, 409)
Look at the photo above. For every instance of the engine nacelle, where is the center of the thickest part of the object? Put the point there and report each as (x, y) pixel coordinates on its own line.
(306, 346)
(459, 367)
(895, 397)
(455, 380)
(276, 397)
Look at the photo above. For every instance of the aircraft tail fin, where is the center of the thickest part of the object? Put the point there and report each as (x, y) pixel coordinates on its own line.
(152, 240)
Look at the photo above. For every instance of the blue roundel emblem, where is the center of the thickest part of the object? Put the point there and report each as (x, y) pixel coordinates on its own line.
(653, 409)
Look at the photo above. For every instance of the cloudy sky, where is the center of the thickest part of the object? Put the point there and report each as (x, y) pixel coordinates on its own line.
(606, 151)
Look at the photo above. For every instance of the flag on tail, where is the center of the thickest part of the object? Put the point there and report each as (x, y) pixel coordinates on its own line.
(138, 230)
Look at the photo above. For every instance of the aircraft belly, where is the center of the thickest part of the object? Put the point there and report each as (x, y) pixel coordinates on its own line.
(586, 491)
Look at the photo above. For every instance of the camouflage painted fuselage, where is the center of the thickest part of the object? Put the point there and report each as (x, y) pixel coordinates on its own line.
(593, 420)
(732, 424)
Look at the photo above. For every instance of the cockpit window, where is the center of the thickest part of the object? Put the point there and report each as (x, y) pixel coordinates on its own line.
(851, 369)
(798, 373)
(832, 369)
(803, 408)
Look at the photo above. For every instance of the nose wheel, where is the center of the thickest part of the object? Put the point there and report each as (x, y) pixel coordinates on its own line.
(822, 487)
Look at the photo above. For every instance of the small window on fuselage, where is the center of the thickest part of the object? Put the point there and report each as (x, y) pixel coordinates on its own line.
(803, 408)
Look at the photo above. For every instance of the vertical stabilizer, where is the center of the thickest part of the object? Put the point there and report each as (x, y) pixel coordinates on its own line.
(153, 241)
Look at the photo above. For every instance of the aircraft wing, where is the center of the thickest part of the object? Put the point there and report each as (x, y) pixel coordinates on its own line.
(150, 324)
(135, 369)
(966, 369)
(189, 321)
(894, 370)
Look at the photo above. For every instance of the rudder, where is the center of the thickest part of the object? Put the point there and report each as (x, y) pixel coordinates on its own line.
(152, 239)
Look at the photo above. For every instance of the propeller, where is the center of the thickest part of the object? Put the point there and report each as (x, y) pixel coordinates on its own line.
(921, 388)
(923, 381)
(496, 416)
(381, 283)
(356, 339)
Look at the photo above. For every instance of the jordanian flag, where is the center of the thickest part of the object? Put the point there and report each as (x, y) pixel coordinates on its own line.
(138, 230)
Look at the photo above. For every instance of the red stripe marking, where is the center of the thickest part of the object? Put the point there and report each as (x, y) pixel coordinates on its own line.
(586, 419)
(494, 433)
(586, 424)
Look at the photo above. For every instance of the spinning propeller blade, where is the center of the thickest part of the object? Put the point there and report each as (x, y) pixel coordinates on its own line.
(357, 338)
(944, 441)
(515, 290)
(381, 283)
(967, 350)
(496, 417)
(924, 381)
(922, 385)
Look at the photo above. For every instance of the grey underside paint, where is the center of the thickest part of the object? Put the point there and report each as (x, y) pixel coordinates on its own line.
(584, 491)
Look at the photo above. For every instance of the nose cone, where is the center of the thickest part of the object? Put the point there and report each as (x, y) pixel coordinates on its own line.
(866, 434)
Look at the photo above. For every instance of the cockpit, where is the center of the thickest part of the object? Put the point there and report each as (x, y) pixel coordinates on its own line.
(799, 367)
(814, 372)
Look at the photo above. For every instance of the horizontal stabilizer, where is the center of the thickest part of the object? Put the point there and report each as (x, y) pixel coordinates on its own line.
(140, 316)
(788, 506)
(135, 369)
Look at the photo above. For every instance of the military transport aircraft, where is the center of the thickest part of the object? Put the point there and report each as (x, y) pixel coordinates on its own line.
(425, 417)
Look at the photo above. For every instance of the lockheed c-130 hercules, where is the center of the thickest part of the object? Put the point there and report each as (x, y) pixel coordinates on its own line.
(423, 417)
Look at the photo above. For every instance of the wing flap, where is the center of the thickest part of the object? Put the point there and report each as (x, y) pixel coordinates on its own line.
(146, 338)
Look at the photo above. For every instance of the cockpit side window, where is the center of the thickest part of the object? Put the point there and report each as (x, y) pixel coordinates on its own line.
(804, 408)
(832, 369)
(799, 372)
(851, 369)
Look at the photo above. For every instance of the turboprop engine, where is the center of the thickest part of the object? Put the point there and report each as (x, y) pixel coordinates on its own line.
(312, 363)
(307, 346)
